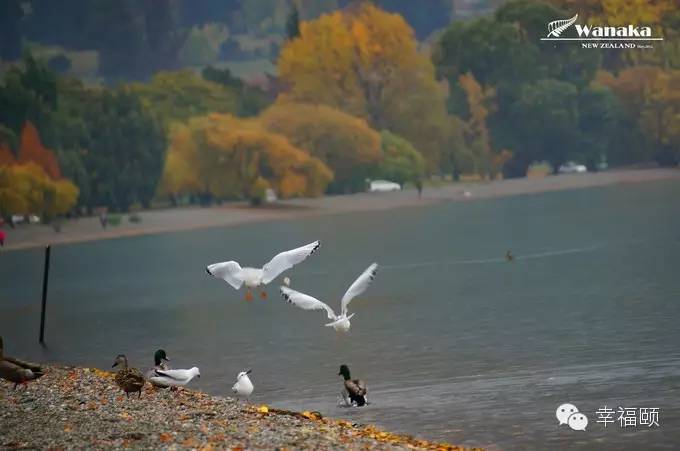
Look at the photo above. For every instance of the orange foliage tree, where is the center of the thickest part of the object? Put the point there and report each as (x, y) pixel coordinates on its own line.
(32, 150)
(6, 156)
(228, 158)
(480, 100)
(365, 62)
(345, 143)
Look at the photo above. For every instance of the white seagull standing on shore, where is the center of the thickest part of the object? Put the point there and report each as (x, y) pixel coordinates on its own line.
(339, 322)
(174, 378)
(232, 273)
(243, 387)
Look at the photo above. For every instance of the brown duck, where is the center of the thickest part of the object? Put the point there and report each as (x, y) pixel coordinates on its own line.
(17, 371)
(355, 389)
(130, 380)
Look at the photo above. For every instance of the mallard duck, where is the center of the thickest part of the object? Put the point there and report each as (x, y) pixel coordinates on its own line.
(355, 392)
(17, 371)
(174, 378)
(232, 273)
(130, 380)
(159, 359)
(243, 387)
(339, 322)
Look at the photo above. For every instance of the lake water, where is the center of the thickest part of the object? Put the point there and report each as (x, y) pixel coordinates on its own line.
(455, 343)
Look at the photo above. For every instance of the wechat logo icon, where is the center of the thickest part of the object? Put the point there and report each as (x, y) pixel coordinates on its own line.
(568, 414)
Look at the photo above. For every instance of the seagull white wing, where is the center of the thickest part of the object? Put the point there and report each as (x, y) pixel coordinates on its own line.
(306, 302)
(358, 287)
(229, 271)
(286, 260)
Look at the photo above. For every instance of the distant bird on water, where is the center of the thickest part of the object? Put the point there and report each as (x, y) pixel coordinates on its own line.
(509, 257)
(17, 371)
(232, 273)
(130, 380)
(160, 360)
(355, 391)
(339, 322)
(243, 388)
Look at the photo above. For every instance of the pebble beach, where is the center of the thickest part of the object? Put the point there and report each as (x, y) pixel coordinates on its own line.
(81, 408)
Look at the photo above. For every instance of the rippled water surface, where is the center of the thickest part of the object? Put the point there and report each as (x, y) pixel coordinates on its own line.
(456, 344)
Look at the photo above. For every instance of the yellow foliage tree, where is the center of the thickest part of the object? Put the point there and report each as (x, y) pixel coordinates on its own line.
(180, 95)
(346, 144)
(26, 189)
(365, 62)
(228, 157)
(480, 100)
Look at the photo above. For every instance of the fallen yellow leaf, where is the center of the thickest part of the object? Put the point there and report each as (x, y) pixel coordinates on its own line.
(263, 409)
(165, 437)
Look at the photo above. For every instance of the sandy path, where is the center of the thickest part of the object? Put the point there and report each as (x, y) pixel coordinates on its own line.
(172, 220)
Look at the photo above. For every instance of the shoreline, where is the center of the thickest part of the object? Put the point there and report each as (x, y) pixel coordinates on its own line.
(231, 214)
(82, 408)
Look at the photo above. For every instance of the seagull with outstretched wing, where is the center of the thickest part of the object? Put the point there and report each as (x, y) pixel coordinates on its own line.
(338, 322)
(232, 273)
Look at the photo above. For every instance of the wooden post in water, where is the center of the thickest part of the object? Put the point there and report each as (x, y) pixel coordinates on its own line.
(46, 275)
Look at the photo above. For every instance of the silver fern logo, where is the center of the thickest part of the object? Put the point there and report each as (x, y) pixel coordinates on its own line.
(557, 27)
(601, 36)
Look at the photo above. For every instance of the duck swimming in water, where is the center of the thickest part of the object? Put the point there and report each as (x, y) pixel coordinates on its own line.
(509, 257)
(339, 322)
(17, 371)
(130, 380)
(355, 390)
(232, 273)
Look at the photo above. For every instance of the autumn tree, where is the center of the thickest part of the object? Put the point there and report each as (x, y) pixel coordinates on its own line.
(6, 155)
(401, 162)
(346, 144)
(479, 141)
(632, 87)
(228, 158)
(178, 96)
(27, 189)
(32, 150)
(364, 61)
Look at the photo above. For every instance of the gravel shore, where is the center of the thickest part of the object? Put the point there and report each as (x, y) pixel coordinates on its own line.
(81, 408)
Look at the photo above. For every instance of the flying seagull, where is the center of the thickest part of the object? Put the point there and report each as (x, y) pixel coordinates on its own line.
(339, 322)
(232, 273)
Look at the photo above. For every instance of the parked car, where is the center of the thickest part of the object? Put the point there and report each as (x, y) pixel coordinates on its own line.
(572, 168)
(270, 196)
(381, 186)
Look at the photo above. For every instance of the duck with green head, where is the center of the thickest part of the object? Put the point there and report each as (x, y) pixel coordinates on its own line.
(355, 391)
(17, 371)
(130, 380)
(160, 359)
